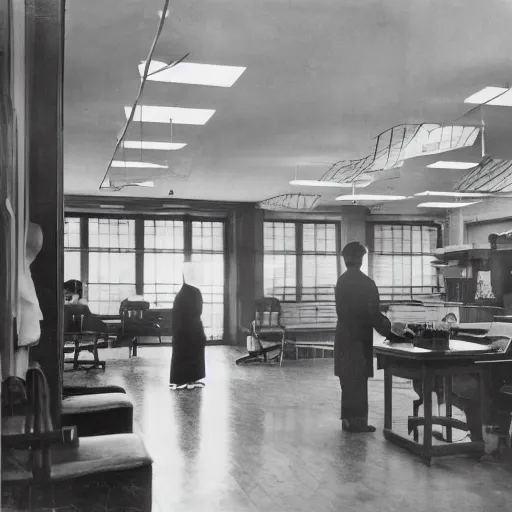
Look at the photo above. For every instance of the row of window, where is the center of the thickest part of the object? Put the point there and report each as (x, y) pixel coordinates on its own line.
(302, 261)
(111, 251)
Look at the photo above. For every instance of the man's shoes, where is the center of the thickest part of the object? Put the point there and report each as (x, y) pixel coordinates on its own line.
(357, 429)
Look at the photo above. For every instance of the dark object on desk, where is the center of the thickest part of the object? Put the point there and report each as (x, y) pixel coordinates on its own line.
(267, 334)
(433, 340)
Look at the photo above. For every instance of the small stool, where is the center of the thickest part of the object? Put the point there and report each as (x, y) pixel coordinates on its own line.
(98, 414)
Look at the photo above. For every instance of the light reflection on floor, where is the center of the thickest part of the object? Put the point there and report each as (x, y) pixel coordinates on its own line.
(264, 438)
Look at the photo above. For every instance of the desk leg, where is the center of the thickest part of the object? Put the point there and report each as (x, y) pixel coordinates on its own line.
(388, 399)
(76, 354)
(427, 407)
(448, 397)
(483, 399)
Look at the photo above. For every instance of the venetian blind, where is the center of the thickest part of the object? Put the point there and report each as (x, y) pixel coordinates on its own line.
(401, 261)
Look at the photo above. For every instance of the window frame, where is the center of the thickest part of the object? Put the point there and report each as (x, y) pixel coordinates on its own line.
(299, 254)
(140, 250)
(370, 237)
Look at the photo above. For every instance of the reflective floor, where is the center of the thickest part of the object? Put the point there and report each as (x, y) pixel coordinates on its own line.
(269, 439)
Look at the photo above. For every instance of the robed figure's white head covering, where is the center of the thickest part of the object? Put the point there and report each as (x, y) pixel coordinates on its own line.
(193, 273)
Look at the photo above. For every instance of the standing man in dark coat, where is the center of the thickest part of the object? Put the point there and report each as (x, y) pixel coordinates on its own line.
(189, 339)
(357, 306)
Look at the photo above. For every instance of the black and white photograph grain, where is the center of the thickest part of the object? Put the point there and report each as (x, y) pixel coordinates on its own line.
(256, 255)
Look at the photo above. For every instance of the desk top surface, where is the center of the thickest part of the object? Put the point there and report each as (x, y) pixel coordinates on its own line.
(458, 350)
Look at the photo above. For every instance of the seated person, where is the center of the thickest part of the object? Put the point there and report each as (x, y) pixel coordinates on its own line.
(76, 306)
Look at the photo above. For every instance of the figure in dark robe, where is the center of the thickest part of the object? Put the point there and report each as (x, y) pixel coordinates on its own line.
(358, 310)
(189, 339)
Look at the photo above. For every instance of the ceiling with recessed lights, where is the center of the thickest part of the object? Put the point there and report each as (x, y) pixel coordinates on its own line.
(241, 98)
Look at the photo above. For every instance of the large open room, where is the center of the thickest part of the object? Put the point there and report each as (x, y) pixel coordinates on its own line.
(256, 256)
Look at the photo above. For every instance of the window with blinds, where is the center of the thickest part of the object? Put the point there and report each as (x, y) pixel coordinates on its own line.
(72, 249)
(301, 262)
(111, 263)
(208, 248)
(164, 254)
(279, 260)
(401, 261)
(319, 262)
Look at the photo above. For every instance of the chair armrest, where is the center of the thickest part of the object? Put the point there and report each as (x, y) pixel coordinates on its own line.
(65, 436)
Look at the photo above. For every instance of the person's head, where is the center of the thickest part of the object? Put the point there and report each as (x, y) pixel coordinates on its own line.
(73, 287)
(353, 254)
(193, 273)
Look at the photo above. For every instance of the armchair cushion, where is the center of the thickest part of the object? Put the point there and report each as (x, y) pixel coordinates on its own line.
(80, 404)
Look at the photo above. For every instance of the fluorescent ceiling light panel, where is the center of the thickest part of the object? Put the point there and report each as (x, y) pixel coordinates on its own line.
(454, 194)
(192, 73)
(498, 96)
(369, 197)
(320, 183)
(137, 165)
(164, 146)
(179, 115)
(452, 165)
(486, 94)
(111, 206)
(445, 205)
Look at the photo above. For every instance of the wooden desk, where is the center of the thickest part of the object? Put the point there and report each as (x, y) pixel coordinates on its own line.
(406, 361)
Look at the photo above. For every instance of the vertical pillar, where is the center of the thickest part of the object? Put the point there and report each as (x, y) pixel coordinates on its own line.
(353, 227)
(45, 124)
(455, 231)
(245, 253)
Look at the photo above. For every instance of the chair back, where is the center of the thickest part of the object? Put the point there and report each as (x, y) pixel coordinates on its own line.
(74, 315)
(133, 310)
(267, 312)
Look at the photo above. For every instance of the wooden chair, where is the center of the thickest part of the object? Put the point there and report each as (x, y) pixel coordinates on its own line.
(137, 321)
(266, 336)
(82, 332)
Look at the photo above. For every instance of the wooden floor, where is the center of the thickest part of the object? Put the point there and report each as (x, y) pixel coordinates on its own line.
(269, 439)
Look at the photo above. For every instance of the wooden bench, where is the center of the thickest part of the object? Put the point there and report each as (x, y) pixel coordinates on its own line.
(310, 326)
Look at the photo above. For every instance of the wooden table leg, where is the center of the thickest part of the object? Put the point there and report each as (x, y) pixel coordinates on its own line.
(76, 354)
(427, 408)
(448, 397)
(388, 398)
(483, 399)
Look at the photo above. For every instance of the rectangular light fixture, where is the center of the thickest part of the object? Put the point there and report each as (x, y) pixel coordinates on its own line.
(369, 197)
(193, 73)
(446, 205)
(137, 165)
(164, 146)
(452, 165)
(179, 115)
(491, 96)
(108, 206)
(454, 194)
(320, 183)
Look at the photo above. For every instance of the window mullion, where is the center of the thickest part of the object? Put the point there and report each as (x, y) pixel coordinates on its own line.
(299, 231)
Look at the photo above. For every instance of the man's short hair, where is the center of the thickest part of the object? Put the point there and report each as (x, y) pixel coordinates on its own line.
(353, 253)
